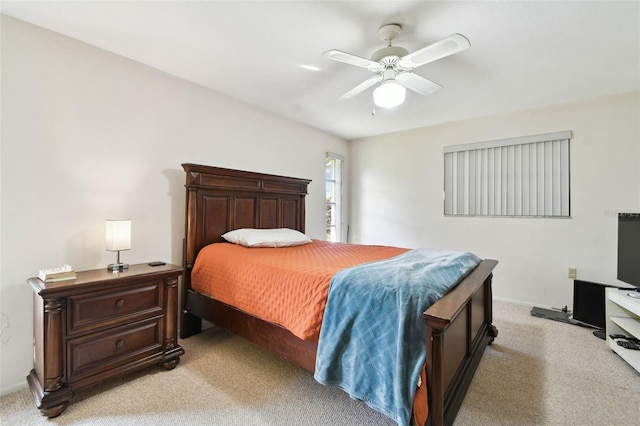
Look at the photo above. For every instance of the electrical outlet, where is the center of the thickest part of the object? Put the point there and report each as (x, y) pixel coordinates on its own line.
(573, 273)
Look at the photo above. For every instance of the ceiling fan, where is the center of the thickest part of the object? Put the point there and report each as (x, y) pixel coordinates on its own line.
(392, 66)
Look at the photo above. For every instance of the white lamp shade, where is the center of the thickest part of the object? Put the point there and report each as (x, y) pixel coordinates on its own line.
(118, 235)
(389, 94)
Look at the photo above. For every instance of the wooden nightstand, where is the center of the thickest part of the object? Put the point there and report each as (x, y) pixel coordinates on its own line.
(100, 325)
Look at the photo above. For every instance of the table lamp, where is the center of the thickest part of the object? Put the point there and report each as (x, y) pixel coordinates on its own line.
(118, 238)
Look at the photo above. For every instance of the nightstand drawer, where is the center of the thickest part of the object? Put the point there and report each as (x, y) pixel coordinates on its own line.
(107, 350)
(110, 307)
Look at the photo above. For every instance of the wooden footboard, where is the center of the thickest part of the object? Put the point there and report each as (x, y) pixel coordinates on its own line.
(459, 326)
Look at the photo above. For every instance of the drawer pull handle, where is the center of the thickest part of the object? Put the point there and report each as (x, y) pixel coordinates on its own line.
(120, 303)
(120, 344)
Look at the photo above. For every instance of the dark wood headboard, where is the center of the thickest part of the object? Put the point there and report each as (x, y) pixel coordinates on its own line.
(220, 200)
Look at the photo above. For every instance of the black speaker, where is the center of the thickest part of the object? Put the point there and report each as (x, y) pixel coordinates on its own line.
(588, 303)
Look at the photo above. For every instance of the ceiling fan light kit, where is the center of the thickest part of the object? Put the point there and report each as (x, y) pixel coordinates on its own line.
(393, 64)
(389, 94)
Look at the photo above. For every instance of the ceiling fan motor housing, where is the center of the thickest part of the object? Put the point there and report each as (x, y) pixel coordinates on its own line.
(387, 52)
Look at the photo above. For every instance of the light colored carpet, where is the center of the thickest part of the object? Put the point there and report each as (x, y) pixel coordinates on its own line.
(537, 372)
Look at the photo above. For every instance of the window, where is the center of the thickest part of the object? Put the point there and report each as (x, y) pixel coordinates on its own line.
(520, 177)
(333, 176)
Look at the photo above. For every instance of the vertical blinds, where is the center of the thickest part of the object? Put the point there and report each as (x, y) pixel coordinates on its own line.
(527, 176)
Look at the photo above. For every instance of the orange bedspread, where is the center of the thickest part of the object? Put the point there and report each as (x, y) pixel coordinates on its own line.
(287, 286)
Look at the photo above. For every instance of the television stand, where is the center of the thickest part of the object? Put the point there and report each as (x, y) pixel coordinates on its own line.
(623, 317)
(600, 334)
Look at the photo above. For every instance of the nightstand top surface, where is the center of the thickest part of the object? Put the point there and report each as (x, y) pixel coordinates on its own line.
(104, 276)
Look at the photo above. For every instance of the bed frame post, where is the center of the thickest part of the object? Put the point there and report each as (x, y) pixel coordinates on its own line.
(189, 324)
(493, 330)
(435, 389)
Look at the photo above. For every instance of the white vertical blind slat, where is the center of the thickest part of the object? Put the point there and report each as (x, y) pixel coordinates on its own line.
(466, 182)
(472, 183)
(540, 184)
(564, 177)
(484, 204)
(511, 180)
(460, 182)
(497, 199)
(548, 178)
(491, 190)
(526, 185)
(448, 183)
(556, 182)
(517, 181)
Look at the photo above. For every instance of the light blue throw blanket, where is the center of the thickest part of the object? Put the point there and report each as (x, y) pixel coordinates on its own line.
(372, 340)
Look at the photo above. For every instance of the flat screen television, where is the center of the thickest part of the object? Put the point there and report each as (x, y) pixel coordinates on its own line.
(629, 250)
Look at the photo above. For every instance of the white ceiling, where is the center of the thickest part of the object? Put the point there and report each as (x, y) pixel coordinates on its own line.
(523, 54)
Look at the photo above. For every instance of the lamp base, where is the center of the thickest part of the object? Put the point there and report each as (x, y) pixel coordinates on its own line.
(117, 266)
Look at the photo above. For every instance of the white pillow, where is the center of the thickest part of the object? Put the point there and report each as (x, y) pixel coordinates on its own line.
(281, 237)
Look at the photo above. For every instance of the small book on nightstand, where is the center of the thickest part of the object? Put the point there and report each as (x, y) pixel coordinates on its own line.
(61, 273)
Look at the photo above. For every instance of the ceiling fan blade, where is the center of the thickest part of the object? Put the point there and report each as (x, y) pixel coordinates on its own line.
(362, 87)
(448, 46)
(417, 83)
(348, 58)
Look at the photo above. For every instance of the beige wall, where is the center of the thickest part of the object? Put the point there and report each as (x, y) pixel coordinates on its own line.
(397, 191)
(88, 135)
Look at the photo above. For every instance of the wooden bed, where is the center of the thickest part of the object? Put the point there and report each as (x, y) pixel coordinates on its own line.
(459, 325)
